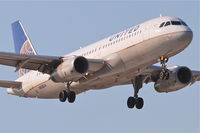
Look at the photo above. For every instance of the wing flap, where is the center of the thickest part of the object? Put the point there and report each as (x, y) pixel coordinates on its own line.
(10, 84)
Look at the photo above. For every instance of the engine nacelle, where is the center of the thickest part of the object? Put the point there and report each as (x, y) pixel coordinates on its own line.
(71, 69)
(179, 78)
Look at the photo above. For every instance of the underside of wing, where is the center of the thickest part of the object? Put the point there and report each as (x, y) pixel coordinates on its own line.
(61, 69)
(195, 76)
(10, 84)
(45, 64)
(180, 73)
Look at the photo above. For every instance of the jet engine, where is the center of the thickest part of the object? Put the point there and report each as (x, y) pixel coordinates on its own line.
(179, 78)
(71, 69)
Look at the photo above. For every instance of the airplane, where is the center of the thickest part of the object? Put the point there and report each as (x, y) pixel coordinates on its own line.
(125, 58)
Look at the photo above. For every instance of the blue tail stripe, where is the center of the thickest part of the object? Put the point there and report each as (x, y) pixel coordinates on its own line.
(19, 36)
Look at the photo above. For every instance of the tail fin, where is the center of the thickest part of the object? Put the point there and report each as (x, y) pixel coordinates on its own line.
(22, 43)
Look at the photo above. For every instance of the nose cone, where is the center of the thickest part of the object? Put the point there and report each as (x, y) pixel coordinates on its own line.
(188, 35)
(187, 28)
(185, 37)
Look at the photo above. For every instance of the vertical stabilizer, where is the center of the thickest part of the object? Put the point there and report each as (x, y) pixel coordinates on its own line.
(22, 43)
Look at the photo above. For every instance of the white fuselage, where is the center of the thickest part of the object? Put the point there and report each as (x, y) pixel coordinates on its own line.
(136, 48)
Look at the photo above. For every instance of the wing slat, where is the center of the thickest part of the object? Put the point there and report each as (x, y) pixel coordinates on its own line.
(10, 84)
(32, 62)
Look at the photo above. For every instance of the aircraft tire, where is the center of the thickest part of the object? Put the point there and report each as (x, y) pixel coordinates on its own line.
(139, 103)
(131, 102)
(71, 96)
(63, 96)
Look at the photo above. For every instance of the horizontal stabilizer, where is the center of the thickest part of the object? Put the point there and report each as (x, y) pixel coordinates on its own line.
(10, 84)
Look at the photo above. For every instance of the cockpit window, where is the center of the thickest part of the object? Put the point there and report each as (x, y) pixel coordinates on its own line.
(183, 23)
(176, 22)
(162, 24)
(167, 23)
(180, 22)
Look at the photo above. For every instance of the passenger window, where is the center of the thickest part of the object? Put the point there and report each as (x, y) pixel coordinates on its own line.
(162, 24)
(176, 23)
(167, 23)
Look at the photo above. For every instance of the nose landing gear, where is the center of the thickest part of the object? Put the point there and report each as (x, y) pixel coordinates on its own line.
(164, 74)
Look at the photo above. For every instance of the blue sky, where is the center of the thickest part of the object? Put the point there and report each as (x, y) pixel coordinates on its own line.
(57, 28)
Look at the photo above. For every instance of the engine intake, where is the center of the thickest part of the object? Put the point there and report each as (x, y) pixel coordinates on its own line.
(179, 78)
(184, 75)
(71, 69)
(81, 65)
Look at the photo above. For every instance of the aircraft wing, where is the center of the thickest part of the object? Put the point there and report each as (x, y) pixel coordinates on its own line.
(45, 64)
(10, 84)
(151, 74)
(195, 76)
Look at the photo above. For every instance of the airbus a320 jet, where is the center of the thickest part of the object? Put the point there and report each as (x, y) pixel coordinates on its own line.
(121, 59)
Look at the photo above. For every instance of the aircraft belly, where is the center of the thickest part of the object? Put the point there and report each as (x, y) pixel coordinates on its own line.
(106, 82)
(46, 90)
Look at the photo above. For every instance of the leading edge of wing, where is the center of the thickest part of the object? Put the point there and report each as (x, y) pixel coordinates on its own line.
(10, 84)
(33, 62)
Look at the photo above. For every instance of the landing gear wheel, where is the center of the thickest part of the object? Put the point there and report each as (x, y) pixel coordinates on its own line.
(135, 100)
(131, 102)
(139, 103)
(63, 96)
(71, 96)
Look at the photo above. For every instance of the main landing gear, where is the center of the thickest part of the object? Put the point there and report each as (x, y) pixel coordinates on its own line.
(135, 100)
(164, 74)
(138, 81)
(67, 95)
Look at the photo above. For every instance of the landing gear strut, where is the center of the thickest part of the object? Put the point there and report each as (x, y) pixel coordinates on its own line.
(164, 74)
(67, 95)
(135, 100)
